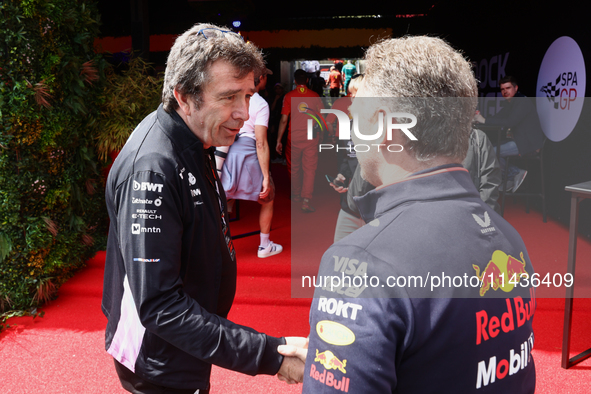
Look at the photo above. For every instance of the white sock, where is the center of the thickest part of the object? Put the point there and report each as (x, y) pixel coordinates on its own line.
(264, 240)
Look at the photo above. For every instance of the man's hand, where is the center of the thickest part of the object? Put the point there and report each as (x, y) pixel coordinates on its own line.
(295, 352)
(339, 189)
(479, 118)
(279, 147)
(266, 189)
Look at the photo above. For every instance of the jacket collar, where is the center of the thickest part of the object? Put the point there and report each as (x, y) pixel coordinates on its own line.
(178, 132)
(450, 181)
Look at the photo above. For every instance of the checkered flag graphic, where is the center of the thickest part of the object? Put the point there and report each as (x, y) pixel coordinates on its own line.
(552, 90)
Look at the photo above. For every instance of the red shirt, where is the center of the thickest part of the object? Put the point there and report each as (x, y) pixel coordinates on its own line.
(335, 79)
(308, 104)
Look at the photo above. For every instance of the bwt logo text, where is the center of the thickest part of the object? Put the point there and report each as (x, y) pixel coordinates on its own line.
(345, 130)
(149, 186)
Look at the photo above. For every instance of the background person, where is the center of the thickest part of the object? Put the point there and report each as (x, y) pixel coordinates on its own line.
(348, 219)
(520, 116)
(244, 167)
(348, 71)
(485, 171)
(274, 118)
(317, 84)
(301, 153)
(335, 82)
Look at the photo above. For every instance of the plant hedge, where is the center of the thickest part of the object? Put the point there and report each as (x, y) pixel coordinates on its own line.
(131, 92)
(52, 213)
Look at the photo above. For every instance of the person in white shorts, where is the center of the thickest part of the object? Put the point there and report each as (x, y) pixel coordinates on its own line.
(244, 167)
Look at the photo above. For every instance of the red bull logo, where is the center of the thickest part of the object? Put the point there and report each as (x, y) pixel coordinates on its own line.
(502, 271)
(489, 326)
(330, 361)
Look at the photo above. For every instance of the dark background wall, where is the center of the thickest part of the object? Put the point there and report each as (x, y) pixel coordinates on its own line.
(499, 36)
(522, 32)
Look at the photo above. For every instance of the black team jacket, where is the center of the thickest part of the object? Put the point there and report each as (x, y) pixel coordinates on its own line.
(170, 273)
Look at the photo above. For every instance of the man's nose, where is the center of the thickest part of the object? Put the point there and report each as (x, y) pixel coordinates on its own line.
(241, 110)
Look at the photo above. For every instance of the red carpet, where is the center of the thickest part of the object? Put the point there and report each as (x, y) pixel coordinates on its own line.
(64, 351)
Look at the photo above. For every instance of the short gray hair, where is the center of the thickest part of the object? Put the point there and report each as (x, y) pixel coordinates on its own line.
(439, 88)
(191, 56)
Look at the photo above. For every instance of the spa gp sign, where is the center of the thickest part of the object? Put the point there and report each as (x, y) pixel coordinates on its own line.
(561, 88)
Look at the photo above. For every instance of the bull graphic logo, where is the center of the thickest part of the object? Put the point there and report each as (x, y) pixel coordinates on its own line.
(330, 361)
(502, 271)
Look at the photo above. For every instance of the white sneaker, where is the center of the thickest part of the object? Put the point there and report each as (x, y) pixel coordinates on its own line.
(270, 250)
(518, 180)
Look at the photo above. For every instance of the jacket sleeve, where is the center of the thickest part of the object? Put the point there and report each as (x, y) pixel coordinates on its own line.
(490, 172)
(152, 250)
(355, 343)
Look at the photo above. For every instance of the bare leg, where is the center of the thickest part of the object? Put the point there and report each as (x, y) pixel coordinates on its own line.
(265, 217)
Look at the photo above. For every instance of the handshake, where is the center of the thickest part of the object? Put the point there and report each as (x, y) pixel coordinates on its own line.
(292, 368)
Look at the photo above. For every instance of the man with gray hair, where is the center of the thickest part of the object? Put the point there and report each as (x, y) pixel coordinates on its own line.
(170, 271)
(415, 301)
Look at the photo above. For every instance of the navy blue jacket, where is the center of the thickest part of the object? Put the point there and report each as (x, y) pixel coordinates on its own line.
(410, 314)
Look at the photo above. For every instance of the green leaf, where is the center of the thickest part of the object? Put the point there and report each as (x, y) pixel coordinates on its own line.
(5, 247)
(47, 155)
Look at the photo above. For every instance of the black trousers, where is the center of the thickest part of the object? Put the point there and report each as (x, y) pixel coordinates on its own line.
(136, 385)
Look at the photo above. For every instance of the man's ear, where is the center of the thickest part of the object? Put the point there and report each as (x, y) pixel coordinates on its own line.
(384, 114)
(183, 101)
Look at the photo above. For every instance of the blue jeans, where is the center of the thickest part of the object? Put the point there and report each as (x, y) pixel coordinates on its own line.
(508, 148)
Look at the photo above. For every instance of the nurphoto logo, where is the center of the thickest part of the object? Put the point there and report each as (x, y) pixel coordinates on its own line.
(344, 127)
(361, 121)
(345, 130)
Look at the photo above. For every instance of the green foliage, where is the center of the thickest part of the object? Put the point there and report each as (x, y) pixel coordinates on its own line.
(14, 313)
(127, 98)
(52, 215)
